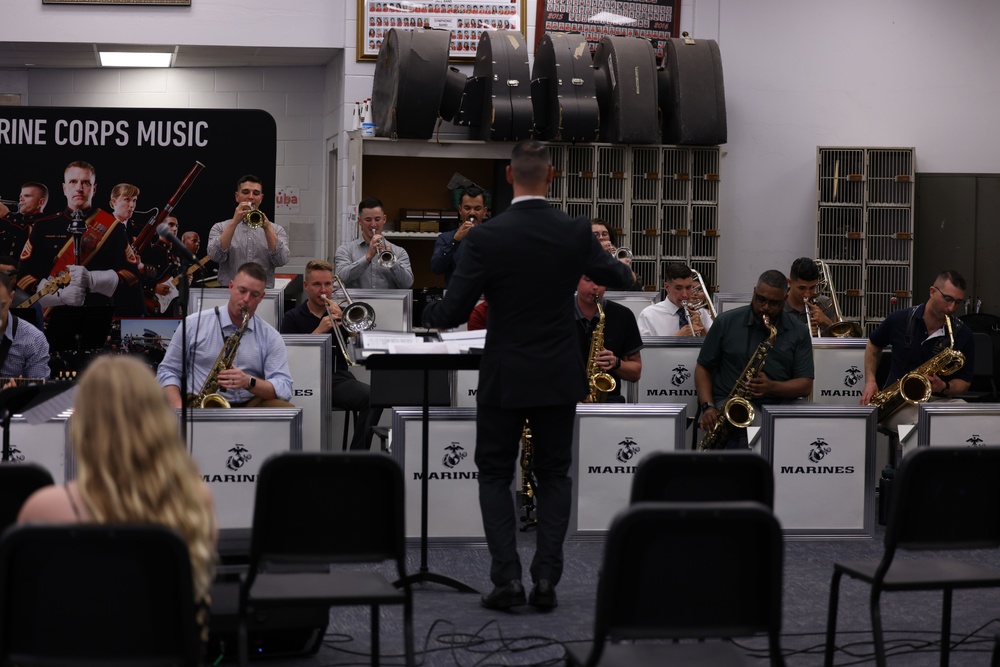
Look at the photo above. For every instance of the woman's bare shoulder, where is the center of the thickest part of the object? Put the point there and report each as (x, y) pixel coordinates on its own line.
(47, 505)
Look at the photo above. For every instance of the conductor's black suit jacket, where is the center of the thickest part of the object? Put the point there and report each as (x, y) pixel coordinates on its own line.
(527, 262)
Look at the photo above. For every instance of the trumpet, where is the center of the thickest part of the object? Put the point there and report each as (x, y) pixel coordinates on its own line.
(386, 257)
(254, 217)
(622, 253)
(356, 316)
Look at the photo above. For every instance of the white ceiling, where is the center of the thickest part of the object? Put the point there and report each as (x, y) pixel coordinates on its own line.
(58, 55)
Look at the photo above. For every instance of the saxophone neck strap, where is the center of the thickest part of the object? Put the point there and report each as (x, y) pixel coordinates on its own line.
(222, 329)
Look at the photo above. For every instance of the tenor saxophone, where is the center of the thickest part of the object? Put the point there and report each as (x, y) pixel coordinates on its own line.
(528, 482)
(210, 396)
(600, 383)
(738, 411)
(914, 387)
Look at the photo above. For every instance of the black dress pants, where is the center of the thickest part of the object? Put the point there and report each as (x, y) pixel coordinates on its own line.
(350, 393)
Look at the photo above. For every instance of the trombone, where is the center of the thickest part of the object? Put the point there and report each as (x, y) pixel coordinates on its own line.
(699, 296)
(826, 296)
(356, 316)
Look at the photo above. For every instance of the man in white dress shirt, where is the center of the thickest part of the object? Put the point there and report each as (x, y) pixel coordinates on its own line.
(669, 317)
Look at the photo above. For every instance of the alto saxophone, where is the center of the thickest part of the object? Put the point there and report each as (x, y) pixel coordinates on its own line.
(600, 383)
(738, 411)
(528, 482)
(914, 387)
(210, 396)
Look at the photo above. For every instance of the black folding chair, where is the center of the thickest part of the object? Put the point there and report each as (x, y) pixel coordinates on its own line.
(944, 498)
(96, 594)
(327, 508)
(682, 476)
(17, 482)
(686, 570)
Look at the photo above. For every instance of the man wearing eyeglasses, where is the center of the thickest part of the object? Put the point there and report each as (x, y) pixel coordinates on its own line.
(731, 343)
(916, 335)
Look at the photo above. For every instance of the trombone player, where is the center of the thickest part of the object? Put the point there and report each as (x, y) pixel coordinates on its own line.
(249, 236)
(318, 314)
(687, 310)
(371, 261)
(802, 281)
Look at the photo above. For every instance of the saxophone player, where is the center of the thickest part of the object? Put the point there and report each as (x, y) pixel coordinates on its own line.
(619, 357)
(916, 335)
(735, 337)
(259, 376)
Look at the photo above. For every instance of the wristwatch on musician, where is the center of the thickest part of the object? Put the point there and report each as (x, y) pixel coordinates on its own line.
(253, 382)
(706, 405)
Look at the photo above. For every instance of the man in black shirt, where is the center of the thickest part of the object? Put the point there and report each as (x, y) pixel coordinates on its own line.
(619, 356)
(310, 317)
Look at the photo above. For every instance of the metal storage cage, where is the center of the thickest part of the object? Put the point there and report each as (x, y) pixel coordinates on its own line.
(864, 228)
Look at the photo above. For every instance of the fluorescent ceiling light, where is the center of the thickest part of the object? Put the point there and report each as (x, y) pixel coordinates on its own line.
(134, 59)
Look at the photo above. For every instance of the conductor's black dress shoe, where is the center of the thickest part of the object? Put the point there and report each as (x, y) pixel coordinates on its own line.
(503, 597)
(543, 595)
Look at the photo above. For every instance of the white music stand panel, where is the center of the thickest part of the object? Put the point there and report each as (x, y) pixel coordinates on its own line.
(230, 446)
(271, 309)
(453, 514)
(823, 459)
(958, 424)
(608, 441)
(393, 307)
(46, 444)
(728, 300)
(668, 375)
(634, 301)
(464, 385)
(840, 370)
(311, 366)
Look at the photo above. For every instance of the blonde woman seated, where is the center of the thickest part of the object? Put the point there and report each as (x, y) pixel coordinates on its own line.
(132, 466)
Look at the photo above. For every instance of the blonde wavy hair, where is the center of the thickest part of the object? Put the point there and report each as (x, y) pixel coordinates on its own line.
(132, 466)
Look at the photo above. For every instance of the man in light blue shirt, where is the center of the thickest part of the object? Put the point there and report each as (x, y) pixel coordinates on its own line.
(259, 375)
(24, 352)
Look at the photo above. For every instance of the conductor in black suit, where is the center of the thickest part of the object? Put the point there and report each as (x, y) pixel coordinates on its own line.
(527, 262)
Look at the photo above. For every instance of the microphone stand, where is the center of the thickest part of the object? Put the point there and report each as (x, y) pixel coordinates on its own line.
(77, 228)
(183, 290)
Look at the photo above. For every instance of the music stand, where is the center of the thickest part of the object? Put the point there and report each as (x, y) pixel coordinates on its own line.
(19, 400)
(386, 370)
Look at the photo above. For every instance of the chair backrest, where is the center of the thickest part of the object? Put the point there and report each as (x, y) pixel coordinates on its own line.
(946, 498)
(96, 594)
(328, 507)
(17, 482)
(983, 364)
(690, 570)
(678, 476)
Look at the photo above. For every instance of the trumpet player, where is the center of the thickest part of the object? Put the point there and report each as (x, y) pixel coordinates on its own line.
(609, 242)
(681, 313)
(234, 242)
(371, 261)
(313, 316)
(802, 280)
(448, 246)
(916, 335)
(16, 225)
(620, 356)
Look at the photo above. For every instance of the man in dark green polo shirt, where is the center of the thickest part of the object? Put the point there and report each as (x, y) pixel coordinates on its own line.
(730, 344)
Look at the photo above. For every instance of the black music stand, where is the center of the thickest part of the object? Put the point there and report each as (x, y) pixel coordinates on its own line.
(18, 400)
(386, 370)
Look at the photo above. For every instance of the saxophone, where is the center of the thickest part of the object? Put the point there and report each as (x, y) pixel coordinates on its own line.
(210, 396)
(600, 383)
(528, 482)
(738, 411)
(914, 387)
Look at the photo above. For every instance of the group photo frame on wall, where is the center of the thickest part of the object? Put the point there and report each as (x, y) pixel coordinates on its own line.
(465, 21)
(655, 20)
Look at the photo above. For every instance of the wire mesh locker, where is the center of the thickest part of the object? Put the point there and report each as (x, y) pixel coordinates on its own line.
(611, 171)
(704, 231)
(849, 287)
(676, 175)
(581, 172)
(890, 235)
(890, 176)
(887, 288)
(676, 233)
(840, 235)
(575, 209)
(644, 232)
(645, 271)
(705, 175)
(557, 190)
(646, 175)
(841, 175)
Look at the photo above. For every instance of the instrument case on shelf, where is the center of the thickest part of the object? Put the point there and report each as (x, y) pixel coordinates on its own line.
(692, 95)
(563, 92)
(627, 90)
(496, 103)
(410, 75)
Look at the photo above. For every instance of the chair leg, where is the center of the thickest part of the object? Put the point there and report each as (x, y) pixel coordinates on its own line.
(347, 428)
(242, 642)
(831, 619)
(410, 658)
(946, 628)
(376, 649)
(876, 612)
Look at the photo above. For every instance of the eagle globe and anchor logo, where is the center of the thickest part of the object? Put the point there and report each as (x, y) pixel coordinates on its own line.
(819, 449)
(976, 441)
(238, 456)
(452, 457)
(679, 375)
(626, 450)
